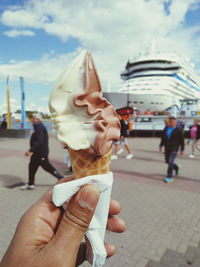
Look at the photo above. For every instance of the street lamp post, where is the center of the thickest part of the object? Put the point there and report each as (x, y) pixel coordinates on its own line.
(8, 103)
(128, 85)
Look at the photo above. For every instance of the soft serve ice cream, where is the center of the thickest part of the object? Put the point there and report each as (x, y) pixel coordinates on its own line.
(81, 116)
(86, 123)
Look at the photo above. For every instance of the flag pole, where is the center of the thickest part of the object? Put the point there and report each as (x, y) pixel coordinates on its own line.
(8, 103)
(23, 111)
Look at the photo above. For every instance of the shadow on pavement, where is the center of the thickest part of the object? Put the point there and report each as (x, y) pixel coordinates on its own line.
(10, 181)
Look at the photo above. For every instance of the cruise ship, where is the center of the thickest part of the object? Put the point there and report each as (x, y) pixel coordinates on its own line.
(156, 82)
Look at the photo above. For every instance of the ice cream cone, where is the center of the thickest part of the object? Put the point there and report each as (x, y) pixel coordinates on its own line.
(86, 164)
(87, 124)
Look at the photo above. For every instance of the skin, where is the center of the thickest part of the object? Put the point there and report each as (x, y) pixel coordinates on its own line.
(172, 123)
(167, 122)
(47, 236)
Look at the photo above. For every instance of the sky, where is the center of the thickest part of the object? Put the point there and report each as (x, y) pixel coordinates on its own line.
(38, 39)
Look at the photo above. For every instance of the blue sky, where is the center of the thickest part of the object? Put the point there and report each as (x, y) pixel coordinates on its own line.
(39, 38)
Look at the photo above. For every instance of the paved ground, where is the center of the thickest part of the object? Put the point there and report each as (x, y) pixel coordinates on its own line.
(158, 216)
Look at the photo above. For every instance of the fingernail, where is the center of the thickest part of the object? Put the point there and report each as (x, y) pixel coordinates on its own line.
(89, 196)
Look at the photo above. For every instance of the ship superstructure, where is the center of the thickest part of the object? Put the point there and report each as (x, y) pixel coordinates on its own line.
(156, 82)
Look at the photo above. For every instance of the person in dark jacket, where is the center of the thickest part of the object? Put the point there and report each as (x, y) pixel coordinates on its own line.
(172, 139)
(194, 137)
(4, 124)
(39, 151)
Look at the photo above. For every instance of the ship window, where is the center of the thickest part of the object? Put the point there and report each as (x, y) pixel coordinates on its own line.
(152, 103)
(141, 102)
(135, 102)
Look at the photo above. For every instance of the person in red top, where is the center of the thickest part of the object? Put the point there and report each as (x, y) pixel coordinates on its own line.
(195, 136)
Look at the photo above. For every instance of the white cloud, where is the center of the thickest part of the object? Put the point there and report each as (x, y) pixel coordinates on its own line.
(45, 70)
(40, 105)
(114, 31)
(14, 105)
(43, 109)
(22, 18)
(13, 101)
(16, 33)
(37, 107)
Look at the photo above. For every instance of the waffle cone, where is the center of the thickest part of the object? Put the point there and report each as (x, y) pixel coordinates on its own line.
(86, 164)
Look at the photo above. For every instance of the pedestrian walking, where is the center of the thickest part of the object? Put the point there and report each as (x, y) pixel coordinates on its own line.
(4, 124)
(122, 141)
(194, 137)
(172, 140)
(39, 151)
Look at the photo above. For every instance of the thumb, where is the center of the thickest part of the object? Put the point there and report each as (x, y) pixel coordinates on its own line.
(75, 222)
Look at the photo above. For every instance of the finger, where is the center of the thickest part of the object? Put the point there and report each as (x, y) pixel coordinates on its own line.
(110, 249)
(114, 208)
(75, 222)
(116, 225)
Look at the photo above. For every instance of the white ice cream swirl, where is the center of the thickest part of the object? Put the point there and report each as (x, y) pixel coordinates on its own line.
(81, 116)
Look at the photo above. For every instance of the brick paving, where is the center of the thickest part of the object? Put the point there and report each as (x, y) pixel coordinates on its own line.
(159, 216)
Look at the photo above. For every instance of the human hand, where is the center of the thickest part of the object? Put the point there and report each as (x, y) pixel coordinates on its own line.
(45, 236)
(160, 149)
(27, 153)
(181, 152)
